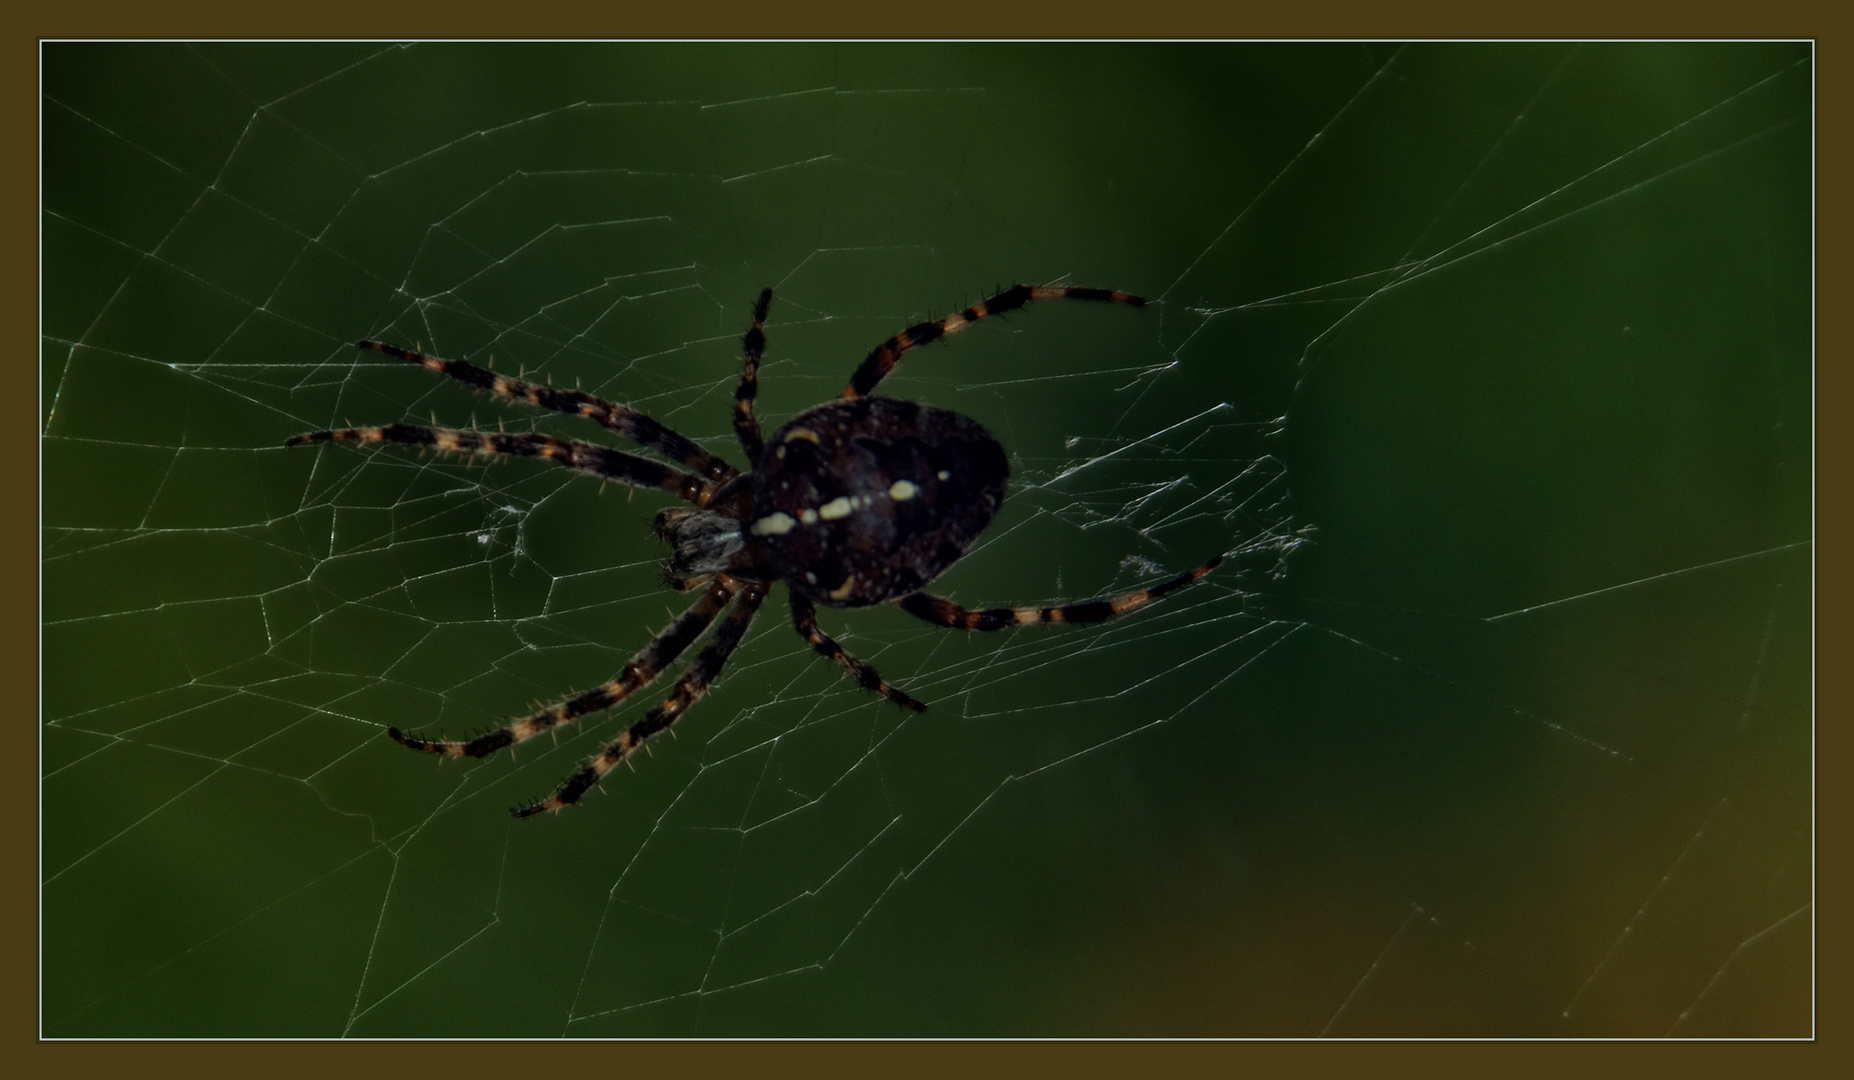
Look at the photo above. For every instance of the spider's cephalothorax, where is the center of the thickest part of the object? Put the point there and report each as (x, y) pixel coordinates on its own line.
(858, 501)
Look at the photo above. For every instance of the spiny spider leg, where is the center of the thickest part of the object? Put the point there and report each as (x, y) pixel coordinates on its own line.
(753, 346)
(693, 684)
(880, 362)
(805, 618)
(639, 672)
(600, 461)
(621, 419)
(943, 612)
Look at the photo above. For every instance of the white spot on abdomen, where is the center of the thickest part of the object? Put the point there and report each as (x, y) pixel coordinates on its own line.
(774, 524)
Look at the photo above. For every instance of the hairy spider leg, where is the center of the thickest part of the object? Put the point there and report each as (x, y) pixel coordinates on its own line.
(805, 618)
(638, 673)
(601, 461)
(753, 346)
(620, 419)
(689, 689)
(880, 362)
(943, 612)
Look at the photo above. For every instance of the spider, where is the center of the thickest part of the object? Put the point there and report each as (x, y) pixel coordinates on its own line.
(859, 501)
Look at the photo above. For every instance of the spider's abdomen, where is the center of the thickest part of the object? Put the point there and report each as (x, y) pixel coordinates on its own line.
(868, 499)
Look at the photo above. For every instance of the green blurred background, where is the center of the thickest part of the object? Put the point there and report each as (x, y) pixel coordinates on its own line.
(1492, 363)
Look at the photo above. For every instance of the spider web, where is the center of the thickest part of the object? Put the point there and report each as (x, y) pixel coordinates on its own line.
(1491, 365)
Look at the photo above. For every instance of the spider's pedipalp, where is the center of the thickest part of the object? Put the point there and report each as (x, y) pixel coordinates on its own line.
(943, 612)
(885, 356)
(689, 689)
(701, 542)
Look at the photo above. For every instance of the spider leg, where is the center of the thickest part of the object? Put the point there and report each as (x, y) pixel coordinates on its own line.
(805, 617)
(638, 673)
(943, 612)
(600, 461)
(879, 363)
(753, 346)
(621, 419)
(689, 689)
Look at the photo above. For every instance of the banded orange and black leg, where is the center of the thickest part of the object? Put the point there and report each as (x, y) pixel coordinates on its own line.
(689, 689)
(883, 359)
(805, 619)
(638, 673)
(753, 347)
(943, 612)
(620, 419)
(600, 461)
